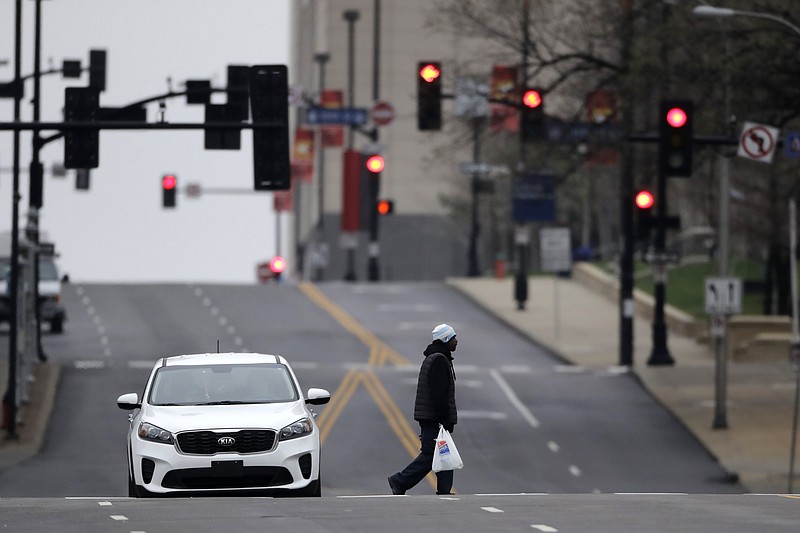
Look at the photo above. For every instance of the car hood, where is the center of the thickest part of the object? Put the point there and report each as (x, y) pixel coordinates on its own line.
(214, 417)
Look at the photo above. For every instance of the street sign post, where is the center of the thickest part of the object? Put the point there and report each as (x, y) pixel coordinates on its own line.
(723, 296)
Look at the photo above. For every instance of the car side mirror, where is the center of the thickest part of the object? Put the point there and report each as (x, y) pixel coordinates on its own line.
(129, 402)
(318, 396)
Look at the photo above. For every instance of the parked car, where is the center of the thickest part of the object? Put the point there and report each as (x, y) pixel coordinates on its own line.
(52, 307)
(223, 423)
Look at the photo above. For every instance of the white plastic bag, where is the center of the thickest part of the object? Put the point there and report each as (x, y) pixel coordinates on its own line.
(445, 454)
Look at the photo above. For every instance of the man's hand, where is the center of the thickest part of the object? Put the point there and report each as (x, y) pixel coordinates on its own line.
(449, 427)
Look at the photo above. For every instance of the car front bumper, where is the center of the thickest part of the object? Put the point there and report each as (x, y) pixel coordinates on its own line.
(161, 468)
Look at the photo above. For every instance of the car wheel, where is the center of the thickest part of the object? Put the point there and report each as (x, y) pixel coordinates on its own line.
(142, 492)
(312, 490)
(57, 326)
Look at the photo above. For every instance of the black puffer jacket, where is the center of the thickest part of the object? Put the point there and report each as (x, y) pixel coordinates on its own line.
(436, 388)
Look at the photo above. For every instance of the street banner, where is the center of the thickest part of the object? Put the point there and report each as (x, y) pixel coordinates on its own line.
(601, 109)
(282, 201)
(303, 155)
(504, 87)
(332, 136)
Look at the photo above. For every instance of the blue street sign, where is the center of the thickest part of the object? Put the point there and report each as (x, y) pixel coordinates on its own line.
(791, 144)
(355, 116)
(534, 198)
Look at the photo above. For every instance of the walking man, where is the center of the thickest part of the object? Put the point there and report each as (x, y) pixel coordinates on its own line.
(435, 404)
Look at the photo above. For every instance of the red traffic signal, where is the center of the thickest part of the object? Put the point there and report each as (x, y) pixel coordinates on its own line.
(375, 163)
(675, 138)
(532, 98)
(430, 72)
(676, 117)
(429, 96)
(385, 207)
(169, 186)
(644, 199)
(277, 264)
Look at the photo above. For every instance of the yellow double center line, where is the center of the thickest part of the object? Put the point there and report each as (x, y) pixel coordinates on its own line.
(379, 354)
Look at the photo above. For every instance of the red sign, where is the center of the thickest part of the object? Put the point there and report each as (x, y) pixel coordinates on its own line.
(351, 190)
(303, 155)
(332, 136)
(382, 113)
(504, 87)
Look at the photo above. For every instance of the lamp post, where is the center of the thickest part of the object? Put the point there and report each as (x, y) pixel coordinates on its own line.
(351, 16)
(794, 342)
(321, 252)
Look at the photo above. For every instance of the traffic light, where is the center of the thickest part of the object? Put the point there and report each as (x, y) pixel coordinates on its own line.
(81, 146)
(169, 189)
(531, 114)
(644, 202)
(375, 163)
(429, 96)
(277, 265)
(675, 138)
(385, 207)
(97, 69)
(269, 101)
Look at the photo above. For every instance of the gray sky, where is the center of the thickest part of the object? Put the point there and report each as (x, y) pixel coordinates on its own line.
(118, 231)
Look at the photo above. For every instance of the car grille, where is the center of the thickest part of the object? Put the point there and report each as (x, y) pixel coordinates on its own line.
(207, 442)
(205, 479)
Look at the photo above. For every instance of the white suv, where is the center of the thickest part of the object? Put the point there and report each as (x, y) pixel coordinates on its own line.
(221, 423)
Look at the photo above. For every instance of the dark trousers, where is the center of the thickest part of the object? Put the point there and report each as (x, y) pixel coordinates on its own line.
(422, 464)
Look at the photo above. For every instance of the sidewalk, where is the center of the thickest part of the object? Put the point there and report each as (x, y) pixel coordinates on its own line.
(35, 414)
(583, 327)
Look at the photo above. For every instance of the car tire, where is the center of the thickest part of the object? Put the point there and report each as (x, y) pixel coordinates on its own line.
(312, 490)
(131, 488)
(57, 325)
(142, 492)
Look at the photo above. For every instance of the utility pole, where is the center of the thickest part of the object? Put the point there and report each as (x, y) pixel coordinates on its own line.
(521, 237)
(351, 16)
(321, 255)
(10, 398)
(373, 266)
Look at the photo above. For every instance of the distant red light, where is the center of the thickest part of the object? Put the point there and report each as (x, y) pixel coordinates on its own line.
(644, 200)
(676, 117)
(532, 98)
(429, 72)
(384, 207)
(277, 264)
(375, 163)
(169, 182)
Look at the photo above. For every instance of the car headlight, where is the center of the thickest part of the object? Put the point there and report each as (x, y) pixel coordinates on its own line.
(154, 433)
(297, 429)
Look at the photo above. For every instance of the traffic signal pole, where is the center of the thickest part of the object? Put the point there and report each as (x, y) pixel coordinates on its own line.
(373, 252)
(521, 240)
(660, 352)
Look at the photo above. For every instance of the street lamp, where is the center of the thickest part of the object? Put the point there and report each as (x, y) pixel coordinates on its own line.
(712, 11)
(794, 343)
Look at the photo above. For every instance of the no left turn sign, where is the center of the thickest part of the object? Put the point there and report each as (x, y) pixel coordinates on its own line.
(758, 142)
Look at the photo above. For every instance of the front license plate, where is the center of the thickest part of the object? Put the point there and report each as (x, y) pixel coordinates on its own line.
(227, 468)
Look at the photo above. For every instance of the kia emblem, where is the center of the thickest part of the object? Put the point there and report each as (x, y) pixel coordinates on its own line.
(226, 441)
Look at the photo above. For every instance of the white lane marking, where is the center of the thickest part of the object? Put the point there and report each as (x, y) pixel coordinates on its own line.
(514, 494)
(119, 517)
(512, 397)
(87, 365)
(651, 493)
(214, 311)
(91, 310)
(198, 291)
(554, 447)
(516, 369)
(223, 321)
(492, 510)
(206, 301)
(466, 369)
(569, 369)
(544, 527)
(491, 415)
(575, 471)
(104, 503)
(471, 383)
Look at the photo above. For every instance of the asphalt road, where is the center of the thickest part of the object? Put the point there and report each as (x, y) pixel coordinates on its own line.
(528, 422)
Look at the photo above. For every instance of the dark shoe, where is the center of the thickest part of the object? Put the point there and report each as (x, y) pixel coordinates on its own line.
(397, 490)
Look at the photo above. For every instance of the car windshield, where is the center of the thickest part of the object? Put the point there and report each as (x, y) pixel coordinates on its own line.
(47, 268)
(222, 384)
